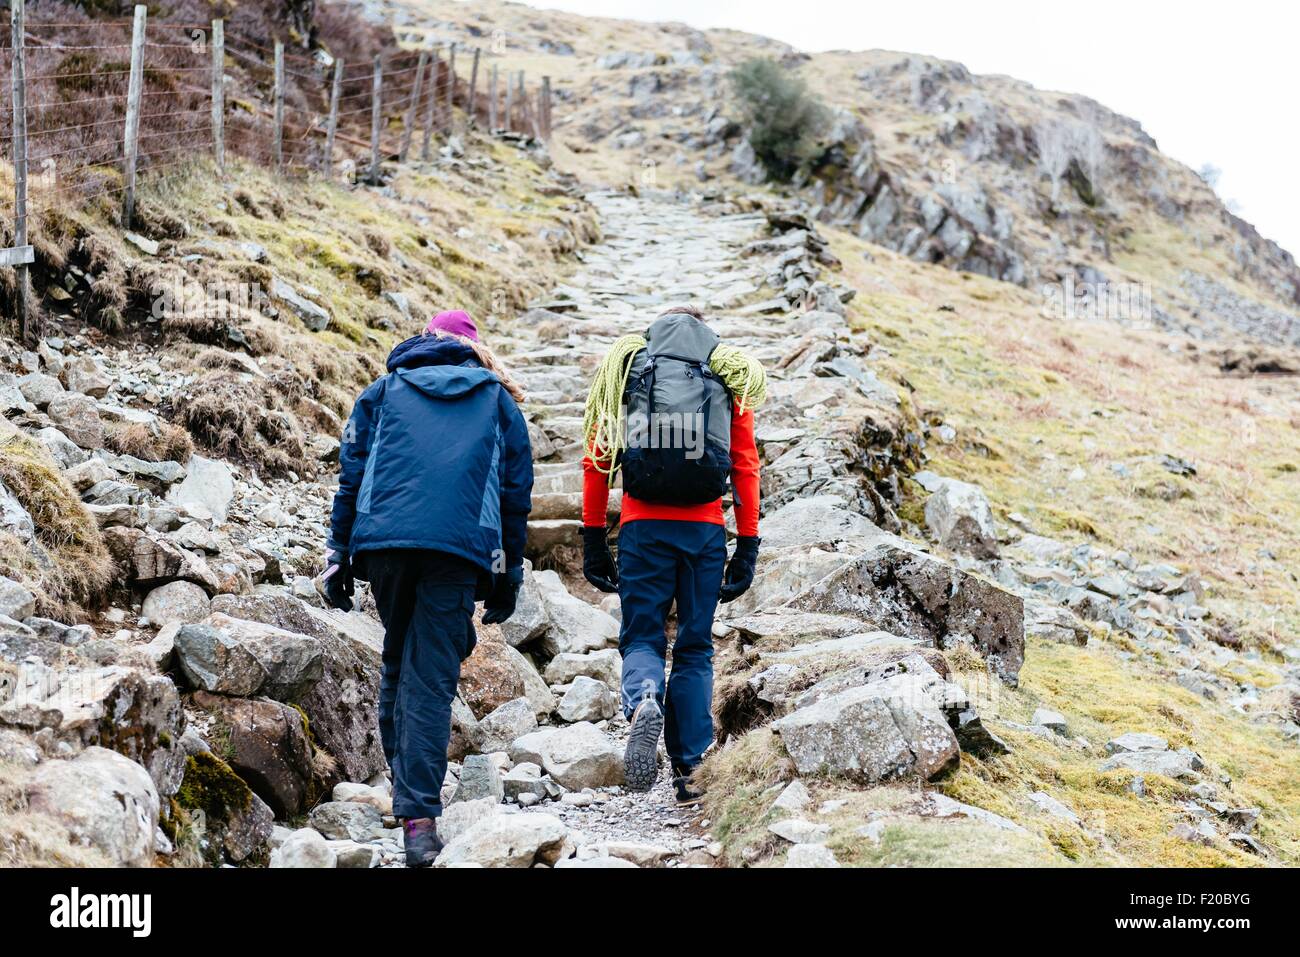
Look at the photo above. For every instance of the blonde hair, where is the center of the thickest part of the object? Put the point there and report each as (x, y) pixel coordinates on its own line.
(488, 360)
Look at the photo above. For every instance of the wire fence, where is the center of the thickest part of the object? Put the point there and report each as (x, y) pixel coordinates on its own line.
(96, 104)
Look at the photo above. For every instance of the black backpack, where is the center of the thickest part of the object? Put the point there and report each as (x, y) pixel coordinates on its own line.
(678, 433)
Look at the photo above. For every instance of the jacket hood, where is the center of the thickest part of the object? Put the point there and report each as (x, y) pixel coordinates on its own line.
(419, 351)
(445, 382)
(442, 368)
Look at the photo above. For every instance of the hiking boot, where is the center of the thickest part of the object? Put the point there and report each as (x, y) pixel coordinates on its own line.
(422, 842)
(687, 794)
(641, 759)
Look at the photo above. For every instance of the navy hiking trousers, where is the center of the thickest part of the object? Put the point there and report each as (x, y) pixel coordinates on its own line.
(661, 561)
(426, 602)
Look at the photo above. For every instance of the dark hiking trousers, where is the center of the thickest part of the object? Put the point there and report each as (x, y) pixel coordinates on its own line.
(659, 562)
(426, 601)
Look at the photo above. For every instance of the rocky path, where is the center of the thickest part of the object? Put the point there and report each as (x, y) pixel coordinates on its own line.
(655, 252)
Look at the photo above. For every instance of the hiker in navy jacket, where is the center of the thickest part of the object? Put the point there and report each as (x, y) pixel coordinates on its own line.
(435, 486)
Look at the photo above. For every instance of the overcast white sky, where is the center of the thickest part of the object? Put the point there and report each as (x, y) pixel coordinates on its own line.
(1212, 82)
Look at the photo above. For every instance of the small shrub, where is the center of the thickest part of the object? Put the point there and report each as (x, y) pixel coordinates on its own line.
(784, 119)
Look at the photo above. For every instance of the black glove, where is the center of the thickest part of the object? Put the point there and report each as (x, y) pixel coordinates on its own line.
(740, 570)
(338, 579)
(597, 563)
(500, 604)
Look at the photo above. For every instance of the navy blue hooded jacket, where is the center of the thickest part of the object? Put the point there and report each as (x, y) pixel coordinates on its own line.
(436, 456)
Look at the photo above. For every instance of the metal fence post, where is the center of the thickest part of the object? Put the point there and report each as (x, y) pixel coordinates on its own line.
(492, 101)
(219, 94)
(131, 135)
(335, 90)
(376, 117)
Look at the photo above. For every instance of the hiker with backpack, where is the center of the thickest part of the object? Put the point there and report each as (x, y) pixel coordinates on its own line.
(435, 487)
(673, 411)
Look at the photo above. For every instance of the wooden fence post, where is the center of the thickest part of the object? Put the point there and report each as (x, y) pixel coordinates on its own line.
(510, 100)
(473, 90)
(131, 134)
(523, 102)
(22, 253)
(219, 94)
(545, 108)
(492, 101)
(408, 125)
(278, 141)
(430, 111)
(335, 90)
(451, 88)
(376, 117)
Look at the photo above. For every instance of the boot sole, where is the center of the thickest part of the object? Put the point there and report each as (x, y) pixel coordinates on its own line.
(641, 758)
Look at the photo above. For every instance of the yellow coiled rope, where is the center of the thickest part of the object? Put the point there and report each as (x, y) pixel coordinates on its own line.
(603, 423)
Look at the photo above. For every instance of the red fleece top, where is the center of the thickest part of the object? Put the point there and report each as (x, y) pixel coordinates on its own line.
(744, 481)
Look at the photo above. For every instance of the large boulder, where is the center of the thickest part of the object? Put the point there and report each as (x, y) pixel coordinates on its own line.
(960, 519)
(104, 800)
(40, 389)
(77, 417)
(508, 840)
(343, 706)
(178, 601)
(901, 722)
(575, 626)
(265, 743)
(207, 490)
(578, 756)
(122, 709)
(239, 657)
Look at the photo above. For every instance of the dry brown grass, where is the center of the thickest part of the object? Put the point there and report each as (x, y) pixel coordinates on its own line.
(235, 416)
(72, 566)
(164, 442)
